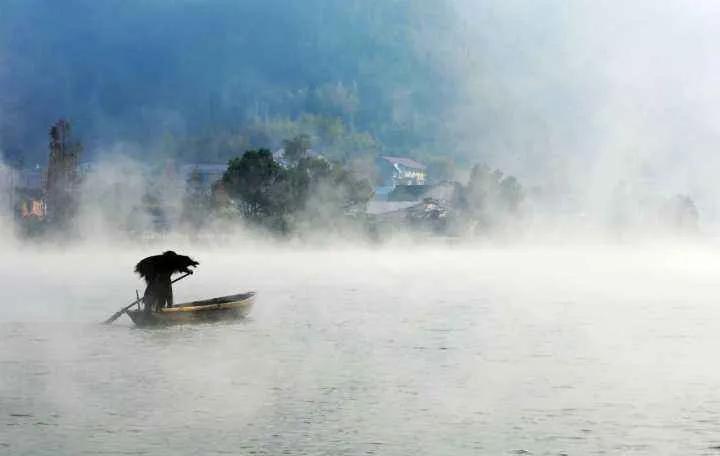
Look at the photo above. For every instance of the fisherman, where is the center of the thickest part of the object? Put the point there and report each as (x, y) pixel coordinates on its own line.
(156, 270)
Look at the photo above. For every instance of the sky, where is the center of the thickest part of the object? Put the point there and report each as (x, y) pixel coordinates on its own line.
(591, 93)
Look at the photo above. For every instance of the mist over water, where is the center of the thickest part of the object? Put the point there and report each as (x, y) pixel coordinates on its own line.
(581, 97)
(467, 350)
(586, 329)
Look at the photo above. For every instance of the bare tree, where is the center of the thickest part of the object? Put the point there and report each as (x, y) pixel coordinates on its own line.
(62, 175)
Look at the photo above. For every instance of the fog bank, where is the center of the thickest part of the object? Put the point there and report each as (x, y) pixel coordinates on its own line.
(581, 97)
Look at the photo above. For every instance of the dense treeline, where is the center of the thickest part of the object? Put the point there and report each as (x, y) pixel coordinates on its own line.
(292, 192)
(305, 192)
(208, 80)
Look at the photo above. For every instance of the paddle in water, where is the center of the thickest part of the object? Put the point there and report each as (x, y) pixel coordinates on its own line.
(117, 314)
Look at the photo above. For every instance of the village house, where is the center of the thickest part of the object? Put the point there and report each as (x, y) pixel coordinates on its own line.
(29, 203)
(396, 171)
(27, 193)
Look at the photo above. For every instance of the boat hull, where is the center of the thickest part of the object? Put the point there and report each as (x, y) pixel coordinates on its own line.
(218, 309)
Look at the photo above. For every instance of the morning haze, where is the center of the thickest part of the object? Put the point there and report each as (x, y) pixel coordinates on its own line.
(391, 227)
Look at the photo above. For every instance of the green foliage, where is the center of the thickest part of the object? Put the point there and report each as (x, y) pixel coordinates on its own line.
(354, 146)
(328, 135)
(63, 176)
(314, 191)
(256, 182)
(490, 197)
(296, 148)
(367, 63)
(335, 100)
(337, 188)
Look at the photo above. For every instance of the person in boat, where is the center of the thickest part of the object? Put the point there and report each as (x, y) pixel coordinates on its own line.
(157, 270)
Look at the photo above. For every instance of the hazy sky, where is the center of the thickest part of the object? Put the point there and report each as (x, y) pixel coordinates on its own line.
(594, 89)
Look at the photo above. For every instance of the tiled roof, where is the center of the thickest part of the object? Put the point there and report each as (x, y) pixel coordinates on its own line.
(404, 161)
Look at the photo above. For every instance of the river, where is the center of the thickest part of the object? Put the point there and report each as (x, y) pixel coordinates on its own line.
(427, 351)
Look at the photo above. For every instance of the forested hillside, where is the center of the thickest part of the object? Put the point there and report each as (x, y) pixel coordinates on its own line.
(205, 80)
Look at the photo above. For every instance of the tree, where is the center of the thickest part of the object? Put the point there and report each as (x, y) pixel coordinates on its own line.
(314, 190)
(480, 189)
(338, 187)
(256, 183)
(490, 197)
(296, 148)
(335, 100)
(324, 193)
(62, 176)
(355, 146)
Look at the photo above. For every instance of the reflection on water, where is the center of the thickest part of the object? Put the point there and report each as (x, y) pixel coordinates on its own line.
(440, 352)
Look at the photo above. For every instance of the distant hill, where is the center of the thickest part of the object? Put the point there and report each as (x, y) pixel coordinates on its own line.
(145, 70)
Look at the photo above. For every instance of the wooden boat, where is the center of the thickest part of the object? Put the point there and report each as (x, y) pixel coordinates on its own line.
(224, 308)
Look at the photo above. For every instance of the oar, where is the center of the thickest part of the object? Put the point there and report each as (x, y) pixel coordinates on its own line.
(117, 314)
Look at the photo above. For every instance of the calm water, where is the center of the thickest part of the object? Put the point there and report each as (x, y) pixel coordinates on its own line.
(578, 352)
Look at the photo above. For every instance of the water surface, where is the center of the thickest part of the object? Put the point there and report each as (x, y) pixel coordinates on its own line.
(588, 350)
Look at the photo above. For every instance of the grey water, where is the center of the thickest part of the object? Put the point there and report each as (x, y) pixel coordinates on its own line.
(542, 351)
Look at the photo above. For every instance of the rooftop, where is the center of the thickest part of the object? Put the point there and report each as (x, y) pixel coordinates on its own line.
(403, 161)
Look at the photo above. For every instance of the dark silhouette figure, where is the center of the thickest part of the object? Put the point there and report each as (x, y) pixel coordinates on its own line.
(156, 270)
